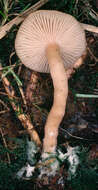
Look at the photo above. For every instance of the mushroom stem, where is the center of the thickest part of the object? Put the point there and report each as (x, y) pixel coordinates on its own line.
(57, 111)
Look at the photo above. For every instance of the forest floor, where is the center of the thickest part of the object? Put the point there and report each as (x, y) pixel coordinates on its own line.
(33, 95)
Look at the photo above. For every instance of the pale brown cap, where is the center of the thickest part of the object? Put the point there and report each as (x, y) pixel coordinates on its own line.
(42, 28)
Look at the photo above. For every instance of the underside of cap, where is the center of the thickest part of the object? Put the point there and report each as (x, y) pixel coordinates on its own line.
(43, 28)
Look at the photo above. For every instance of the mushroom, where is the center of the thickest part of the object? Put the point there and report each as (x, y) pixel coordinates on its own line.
(51, 41)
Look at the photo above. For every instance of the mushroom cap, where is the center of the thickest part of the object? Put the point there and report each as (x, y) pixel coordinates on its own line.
(43, 28)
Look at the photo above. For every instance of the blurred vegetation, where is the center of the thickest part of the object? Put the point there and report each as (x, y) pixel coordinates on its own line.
(81, 9)
(87, 175)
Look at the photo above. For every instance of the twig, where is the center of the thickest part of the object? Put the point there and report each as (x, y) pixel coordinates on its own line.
(24, 118)
(4, 111)
(19, 69)
(90, 28)
(5, 144)
(93, 14)
(76, 137)
(10, 69)
(5, 94)
(96, 91)
(4, 29)
(22, 94)
(31, 86)
(95, 58)
(86, 95)
(18, 81)
(4, 104)
(7, 67)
